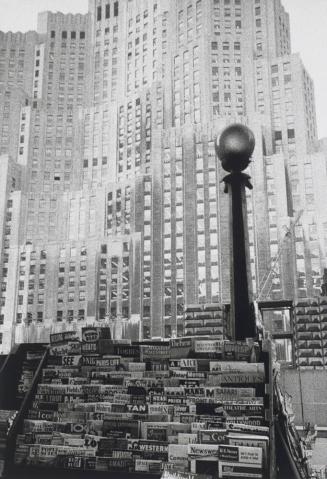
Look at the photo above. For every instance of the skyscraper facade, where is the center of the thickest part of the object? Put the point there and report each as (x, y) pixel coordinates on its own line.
(110, 164)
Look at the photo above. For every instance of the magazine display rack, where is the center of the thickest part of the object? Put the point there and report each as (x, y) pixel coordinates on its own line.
(190, 407)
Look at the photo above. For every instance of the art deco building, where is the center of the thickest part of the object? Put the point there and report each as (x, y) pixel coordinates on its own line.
(120, 213)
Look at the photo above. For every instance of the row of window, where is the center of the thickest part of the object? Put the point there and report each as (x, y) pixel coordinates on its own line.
(106, 13)
(64, 34)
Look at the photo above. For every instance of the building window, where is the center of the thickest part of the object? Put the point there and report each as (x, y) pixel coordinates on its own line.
(278, 135)
(99, 12)
(116, 9)
(291, 133)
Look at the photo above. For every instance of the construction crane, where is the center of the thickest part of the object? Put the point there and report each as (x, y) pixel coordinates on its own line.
(263, 292)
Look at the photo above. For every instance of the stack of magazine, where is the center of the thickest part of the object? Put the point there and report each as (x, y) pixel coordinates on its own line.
(188, 406)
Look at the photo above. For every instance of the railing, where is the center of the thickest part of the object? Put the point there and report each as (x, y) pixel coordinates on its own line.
(19, 419)
(10, 374)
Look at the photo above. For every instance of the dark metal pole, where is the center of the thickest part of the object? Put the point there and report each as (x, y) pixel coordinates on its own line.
(235, 148)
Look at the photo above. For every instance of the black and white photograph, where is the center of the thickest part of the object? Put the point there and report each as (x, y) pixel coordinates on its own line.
(163, 239)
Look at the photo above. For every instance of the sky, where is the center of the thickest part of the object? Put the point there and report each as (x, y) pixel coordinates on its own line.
(308, 35)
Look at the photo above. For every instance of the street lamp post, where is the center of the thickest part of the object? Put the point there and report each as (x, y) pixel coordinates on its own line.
(234, 149)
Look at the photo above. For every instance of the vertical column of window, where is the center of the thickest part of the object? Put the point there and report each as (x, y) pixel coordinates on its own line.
(96, 145)
(147, 231)
(202, 292)
(315, 257)
(118, 211)
(146, 35)
(20, 67)
(155, 55)
(97, 74)
(37, 73)
(130, 57)
(127, 211)
(30, 219)
(109, 213)
(227, 77)
(52, 217)
(87, 148)
(82, 284)
(31, 296)
(167, 174)
(50, 83)
(196, 85)
(238, 16)
(5, 259)
(73, 273)
(21, 287)
(181, 27)
(300, 247)
(6, 118)
(251, 237)
(138, 115)
(159, 101)
(260, 94)
(70, 72)
(62, 270)
(216, 17)
(130, 129)
(227, 17)
(103, 283)
(177, 90)
(105, 141)
(215, 78)
(114, 286)
(114, 67)
(240, 107)
(125, 281)
(278, 134)
(121, 141)
(106, 55)
(164, 42)
(258, 35)
(213, 222)
(277, 124)
(137, 62)
(80, 60)
(148, 128)
(58, 152)
(198, 13)
(272, 215)
(40, 284)
(275, 286)
(179, 233)
(187, 86)
(190, 23)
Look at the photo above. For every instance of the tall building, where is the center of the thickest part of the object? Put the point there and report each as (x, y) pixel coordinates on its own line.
(121, 214)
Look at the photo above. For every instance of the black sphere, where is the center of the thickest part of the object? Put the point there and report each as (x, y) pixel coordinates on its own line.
(235, 147)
